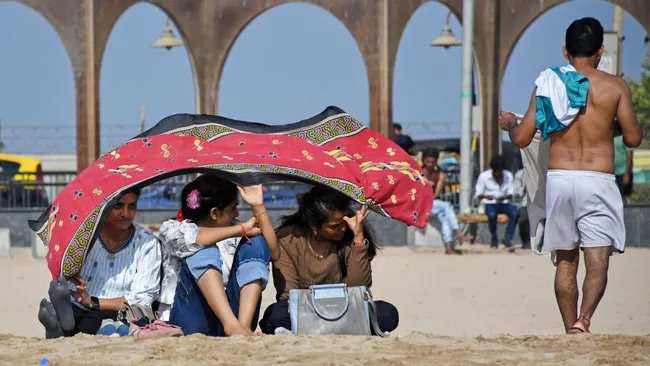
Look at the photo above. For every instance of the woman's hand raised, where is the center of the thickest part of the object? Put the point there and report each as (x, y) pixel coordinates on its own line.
(252, 195)
(355, 223)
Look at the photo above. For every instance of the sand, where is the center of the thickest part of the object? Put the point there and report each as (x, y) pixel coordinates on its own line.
(484, 307)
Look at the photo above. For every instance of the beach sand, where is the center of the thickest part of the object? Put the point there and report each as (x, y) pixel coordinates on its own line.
(484, 307)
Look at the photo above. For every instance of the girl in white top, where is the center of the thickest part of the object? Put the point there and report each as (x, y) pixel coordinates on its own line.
(208, 219)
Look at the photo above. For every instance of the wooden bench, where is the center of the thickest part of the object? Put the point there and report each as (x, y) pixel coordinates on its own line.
(480, 218)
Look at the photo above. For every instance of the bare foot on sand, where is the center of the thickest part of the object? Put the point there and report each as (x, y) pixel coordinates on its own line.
(580, 326)
(237, 330)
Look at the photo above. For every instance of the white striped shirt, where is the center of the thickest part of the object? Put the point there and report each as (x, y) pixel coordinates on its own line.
(133, 271)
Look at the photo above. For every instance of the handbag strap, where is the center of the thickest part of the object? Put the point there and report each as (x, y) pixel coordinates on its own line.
(373, 316)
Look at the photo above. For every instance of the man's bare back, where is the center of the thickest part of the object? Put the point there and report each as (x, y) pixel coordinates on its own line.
(588, 143)
(584, 209)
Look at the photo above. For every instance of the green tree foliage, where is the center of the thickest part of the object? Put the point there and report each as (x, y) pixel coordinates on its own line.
(641, 99)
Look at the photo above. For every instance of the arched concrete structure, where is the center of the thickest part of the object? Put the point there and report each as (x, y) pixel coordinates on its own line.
(210, 27)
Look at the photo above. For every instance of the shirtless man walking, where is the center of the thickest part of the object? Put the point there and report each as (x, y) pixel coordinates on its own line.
(583, 206)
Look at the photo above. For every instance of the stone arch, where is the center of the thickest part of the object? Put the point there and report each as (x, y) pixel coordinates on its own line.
(264, 7)
(111, 13)
(293, 58)
(638, 9)
(130, 63)
(406, 15)
(56, 19)
(64, 84)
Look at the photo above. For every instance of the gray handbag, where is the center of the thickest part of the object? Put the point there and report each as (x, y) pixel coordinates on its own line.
(333, 309)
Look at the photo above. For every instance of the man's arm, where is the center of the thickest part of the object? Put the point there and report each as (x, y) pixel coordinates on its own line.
(627, 118)
(522, 135)
(480, 188)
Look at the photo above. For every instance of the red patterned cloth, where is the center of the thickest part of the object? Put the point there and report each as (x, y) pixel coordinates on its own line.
(331, 149)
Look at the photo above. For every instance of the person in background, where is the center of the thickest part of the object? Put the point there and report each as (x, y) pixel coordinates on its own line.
(324, 242)
(584, 208)
(404, 141)
(442, 209)
(122, 266)
(216, 267)
(522, 202)
(623, 157)
(495, 189)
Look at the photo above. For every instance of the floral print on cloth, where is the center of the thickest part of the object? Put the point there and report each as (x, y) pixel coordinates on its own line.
(331, 149)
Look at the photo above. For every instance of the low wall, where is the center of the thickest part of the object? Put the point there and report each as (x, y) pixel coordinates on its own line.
(389, 232)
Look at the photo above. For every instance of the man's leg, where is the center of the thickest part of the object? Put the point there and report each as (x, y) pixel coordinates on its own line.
(593, 288)
(509, 210)
(524, 227)
(566, 285)
(450, 216)
(491, 210)
(441, 211)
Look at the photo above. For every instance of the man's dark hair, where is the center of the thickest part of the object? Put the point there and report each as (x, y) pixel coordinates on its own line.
(498, 163)
(397, 126)
(584, 37)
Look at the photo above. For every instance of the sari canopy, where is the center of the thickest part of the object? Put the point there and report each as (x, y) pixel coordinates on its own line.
(331, 149)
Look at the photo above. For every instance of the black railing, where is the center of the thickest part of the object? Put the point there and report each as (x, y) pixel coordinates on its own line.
(32, 190)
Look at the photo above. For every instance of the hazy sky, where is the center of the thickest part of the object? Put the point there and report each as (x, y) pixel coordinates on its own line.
(288, 64)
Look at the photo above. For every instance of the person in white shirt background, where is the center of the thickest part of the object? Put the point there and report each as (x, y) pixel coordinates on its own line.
(495, 189)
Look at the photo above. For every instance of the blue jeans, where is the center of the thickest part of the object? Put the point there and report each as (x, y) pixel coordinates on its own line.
(191, 311)
(493, 210)
(447, 217)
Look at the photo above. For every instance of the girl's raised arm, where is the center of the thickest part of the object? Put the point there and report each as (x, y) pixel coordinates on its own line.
(254, 196)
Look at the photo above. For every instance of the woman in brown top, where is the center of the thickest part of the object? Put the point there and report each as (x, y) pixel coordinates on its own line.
(324, 242)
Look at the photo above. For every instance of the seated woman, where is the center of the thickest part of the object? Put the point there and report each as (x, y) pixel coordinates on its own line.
(122, 265)
(213, 279)
(311, 242)
(442, 209)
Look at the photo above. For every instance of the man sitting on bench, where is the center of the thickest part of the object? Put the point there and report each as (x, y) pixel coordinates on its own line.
(495, 188)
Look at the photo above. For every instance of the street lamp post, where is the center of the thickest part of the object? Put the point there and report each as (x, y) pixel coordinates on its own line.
(446, 40)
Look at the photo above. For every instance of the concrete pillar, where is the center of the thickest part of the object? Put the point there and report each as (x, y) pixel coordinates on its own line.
(5, 242)
(428, 237)
(39, 250)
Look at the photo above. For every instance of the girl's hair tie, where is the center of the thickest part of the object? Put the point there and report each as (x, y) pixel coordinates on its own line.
(193, 199)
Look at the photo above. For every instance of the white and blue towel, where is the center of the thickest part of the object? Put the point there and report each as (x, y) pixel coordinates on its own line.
(561, 92)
